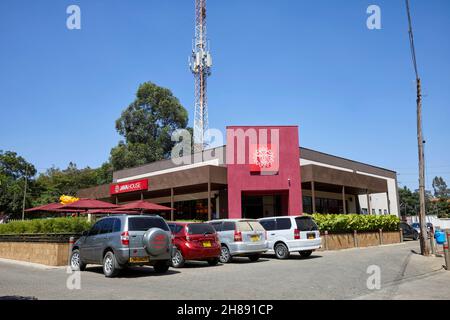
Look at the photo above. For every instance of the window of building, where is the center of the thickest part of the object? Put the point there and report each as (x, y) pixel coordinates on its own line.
(373, 211)
(385, 212)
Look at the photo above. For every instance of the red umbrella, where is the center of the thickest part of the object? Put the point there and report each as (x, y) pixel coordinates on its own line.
(142, 206)
(105, 211)
(86, 204)
(51, 207)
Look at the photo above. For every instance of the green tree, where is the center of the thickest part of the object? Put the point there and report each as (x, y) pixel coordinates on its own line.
(409, 201)
(440, 188)
(55, 182)
(147, 125)
(14, 170)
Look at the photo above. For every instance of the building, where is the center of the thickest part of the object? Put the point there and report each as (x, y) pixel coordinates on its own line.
(261, 171)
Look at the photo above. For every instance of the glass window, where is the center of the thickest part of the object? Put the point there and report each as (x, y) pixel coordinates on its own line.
(373, 211)
(228, 226)
(95, 228)
(175, 228)
(217, 225)
(306, 224)
(269, 224)
(256, 226)
(145, 223)
(117, 225)
(200, 228)
(283, 224)
(106, 226)
(243, 226)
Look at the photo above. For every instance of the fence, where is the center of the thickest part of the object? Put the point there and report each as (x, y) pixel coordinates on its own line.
(437, 222)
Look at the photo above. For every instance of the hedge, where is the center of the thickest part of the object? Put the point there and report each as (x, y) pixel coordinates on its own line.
(343, 223)
(54, 225)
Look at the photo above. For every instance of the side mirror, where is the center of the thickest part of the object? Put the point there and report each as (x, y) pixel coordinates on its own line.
(85, 233)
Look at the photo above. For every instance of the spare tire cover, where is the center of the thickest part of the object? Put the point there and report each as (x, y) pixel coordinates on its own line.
(156, 241)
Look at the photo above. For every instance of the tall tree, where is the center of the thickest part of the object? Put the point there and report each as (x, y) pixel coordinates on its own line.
(14, 170)
(147, 125)
(440, 188)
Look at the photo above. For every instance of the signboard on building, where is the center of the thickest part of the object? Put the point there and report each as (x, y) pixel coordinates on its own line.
(129, 186)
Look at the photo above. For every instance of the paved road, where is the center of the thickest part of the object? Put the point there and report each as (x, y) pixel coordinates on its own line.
(325, 275)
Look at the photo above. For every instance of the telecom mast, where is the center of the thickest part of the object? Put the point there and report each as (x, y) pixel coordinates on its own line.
(200, 64)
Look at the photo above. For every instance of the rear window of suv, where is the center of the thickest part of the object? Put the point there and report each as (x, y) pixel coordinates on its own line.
(200, 228)
(249, 226)
(306, 224)
(145, 223)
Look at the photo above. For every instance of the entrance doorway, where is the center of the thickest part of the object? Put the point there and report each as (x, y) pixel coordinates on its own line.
(259, 206)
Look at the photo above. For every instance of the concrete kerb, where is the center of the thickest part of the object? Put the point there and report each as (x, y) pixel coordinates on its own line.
(31, 264)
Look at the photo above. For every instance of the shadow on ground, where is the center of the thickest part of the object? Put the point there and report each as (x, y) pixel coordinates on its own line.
(135, 272)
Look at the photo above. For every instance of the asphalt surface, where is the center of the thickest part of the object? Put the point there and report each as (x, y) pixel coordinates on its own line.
(325, 275)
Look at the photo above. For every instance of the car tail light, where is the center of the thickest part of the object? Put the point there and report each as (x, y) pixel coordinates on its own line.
(296, 234)
(237, 236)
(125, 238)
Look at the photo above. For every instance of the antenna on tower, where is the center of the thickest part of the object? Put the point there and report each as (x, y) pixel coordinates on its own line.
(200, 64)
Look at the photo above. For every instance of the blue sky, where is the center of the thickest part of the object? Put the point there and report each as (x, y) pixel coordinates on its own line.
(312, 63)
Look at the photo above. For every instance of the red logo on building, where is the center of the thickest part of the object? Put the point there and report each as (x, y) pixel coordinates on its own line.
(131, 186)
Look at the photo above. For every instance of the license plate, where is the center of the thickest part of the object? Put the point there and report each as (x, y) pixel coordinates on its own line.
(207, 244)
(255, 238)
(139, 259)
(311, 235)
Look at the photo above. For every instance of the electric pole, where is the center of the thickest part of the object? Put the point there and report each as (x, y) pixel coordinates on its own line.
(24, 193)
(424, 243)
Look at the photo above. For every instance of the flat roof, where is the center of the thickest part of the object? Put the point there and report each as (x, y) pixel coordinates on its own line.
(210, 154)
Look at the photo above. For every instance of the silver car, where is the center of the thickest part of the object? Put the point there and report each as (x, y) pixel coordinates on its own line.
(120, 241)
(240, 237)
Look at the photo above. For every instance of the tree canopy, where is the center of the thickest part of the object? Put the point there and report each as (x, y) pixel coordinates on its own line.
(147, 125)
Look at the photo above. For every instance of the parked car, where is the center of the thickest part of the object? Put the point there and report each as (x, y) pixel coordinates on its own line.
(194, 241)
(416, 226)
(240, 237)
(291, 234)
(408, 231)
(121, 241)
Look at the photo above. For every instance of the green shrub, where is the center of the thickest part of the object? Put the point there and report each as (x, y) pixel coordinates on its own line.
(342, 223)
(54, 225)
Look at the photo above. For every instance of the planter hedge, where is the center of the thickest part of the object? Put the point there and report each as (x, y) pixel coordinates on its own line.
(54, 225)
(344, 223)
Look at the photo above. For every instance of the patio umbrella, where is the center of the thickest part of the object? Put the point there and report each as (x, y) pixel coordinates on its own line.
(51, 207)
(106, 211)
(86, 204)
(143, 206)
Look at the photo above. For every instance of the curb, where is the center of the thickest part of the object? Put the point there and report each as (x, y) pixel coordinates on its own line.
(30, 264)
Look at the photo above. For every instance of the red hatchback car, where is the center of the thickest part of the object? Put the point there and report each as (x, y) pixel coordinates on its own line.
(194, 241)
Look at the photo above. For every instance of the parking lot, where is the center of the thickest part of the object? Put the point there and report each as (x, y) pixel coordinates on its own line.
(325, 275)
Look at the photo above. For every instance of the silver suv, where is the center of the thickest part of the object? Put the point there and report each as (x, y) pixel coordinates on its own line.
(240, 237)
(120, 241)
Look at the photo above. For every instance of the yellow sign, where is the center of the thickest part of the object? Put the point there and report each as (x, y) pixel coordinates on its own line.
(67, 199)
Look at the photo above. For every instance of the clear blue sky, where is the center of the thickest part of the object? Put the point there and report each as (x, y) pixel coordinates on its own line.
(311, 63)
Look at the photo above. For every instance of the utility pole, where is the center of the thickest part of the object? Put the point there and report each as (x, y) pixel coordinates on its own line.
(424, 244)
(24, 193)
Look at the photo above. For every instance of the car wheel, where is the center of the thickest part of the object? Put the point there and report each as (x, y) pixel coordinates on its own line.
(161, 267)
(225, 255)
(254, 257)
(305, 254)
(75, 261)
(416, 236)
(281, 251)
(213, 262)
(110, 265)
(178, 259)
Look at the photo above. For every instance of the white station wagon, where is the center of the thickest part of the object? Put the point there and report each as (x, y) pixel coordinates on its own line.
(291, 234)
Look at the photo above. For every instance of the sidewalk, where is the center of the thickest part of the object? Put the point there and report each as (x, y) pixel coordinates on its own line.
(430, 281)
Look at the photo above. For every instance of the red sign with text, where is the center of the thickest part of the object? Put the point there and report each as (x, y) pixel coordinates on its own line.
(129, 186)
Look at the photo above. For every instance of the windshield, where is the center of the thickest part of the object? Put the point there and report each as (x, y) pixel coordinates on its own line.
(415, 225)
